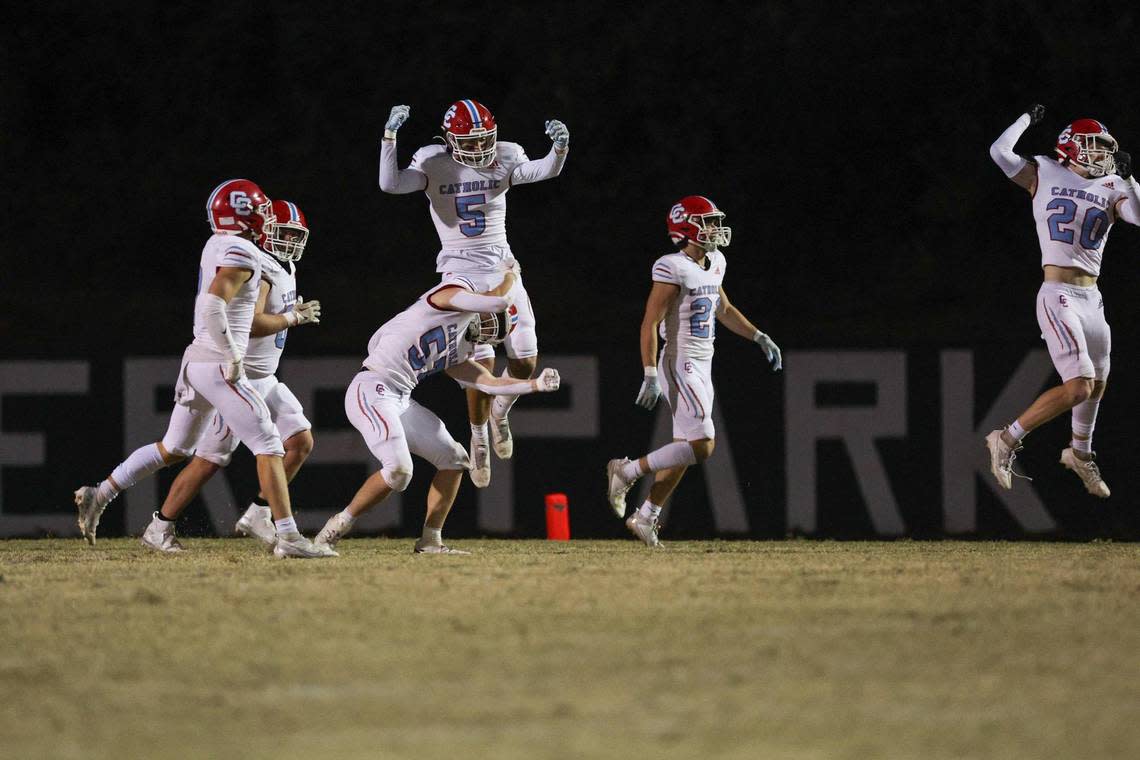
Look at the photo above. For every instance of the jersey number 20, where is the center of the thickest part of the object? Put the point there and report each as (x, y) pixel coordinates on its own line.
(1093, 227)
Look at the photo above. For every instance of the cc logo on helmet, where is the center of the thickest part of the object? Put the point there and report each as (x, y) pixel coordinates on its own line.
(448, 116)
(1065, 136)
(677, 214)
(241, 203)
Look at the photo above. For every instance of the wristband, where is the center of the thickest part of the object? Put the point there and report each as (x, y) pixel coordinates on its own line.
(292, 318)
(650, 371)
(389, 134)
(759, 334)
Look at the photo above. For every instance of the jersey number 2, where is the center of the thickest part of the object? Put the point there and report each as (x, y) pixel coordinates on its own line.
(1093, 227)
(474, 221)
(702, 309)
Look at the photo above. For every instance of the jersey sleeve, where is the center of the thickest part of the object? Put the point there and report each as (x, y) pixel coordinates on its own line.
(238, 257)
(665, 271)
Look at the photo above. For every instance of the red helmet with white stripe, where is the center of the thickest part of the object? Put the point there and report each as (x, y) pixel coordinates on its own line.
(696, 219)
(285, 237)
(238, 205)
(1087, 143)
(470, 130)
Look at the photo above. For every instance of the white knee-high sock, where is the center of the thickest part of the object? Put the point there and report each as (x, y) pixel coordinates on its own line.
(675, 454)
(501, 406)
(1084, 422)
(142, 463)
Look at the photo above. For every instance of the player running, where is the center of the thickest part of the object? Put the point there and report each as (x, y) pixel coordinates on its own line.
(441, 331)
(212, 375)
(278, 309)
(466, 180)
(1076, 199)
(684, 304)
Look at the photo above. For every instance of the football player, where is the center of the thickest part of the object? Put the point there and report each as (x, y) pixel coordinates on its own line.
(685, 302)
(440, 332)
(212, 376)
(278, 308)
(1076, 197)
(466, 179)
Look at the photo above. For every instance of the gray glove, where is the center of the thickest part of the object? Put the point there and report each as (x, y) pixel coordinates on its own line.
(650, 389)
(771, 350)
(558, 133)
(396, 118)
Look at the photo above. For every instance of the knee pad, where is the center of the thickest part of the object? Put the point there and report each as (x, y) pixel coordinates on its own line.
(397, 480)
(174, 447)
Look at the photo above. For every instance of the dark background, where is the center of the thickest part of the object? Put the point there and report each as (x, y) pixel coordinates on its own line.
(848, 147)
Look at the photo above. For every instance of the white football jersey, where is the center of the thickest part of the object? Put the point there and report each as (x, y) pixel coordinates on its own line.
(418, 342)
(1073, 215)
(689, 327)
(469, 205)
(227, 251)
(264, 353)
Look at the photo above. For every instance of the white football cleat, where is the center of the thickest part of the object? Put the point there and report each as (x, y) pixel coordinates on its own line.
(89, 512)
(644, 528)
(617, 485)
(159, 535)
(335, 529)
(296, 545)
(501, 438)
(422, 548)
(257, 522)
(1087, 471)
(480, 471)
(1001, 460)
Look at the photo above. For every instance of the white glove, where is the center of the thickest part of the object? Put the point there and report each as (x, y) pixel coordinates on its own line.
(304, 312)
(771, 350)
(235, 370)
(558, 133)
(650, 389)
(396, 119)
(548, 381)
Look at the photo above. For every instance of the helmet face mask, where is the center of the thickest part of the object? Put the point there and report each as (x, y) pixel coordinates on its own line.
(470, 133)
(492, 328)
(1087, 143)
(285, 238)
(695, 219)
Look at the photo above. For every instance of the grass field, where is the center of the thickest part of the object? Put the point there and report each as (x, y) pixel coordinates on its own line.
(531, 649)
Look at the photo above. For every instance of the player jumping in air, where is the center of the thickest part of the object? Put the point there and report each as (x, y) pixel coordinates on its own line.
(1076, 198)
(466, 181)
(441, 331)
(212, 376)
(278, 309)
(684, 305)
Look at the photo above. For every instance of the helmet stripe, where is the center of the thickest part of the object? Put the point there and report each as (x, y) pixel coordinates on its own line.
(476, 121)
(293, 215)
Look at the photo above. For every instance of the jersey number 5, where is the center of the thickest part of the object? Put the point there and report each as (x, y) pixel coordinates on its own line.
(418, 357)
(474, 221)
(1093, 227)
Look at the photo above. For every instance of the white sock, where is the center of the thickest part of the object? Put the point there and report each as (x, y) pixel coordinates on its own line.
(479, 432)
(142, 463)
(348, 516)
(1016, 431)
(432, 536)
(1084, 447)
(287, 525)
(502, 405)
(673, 454)
(1084, 421)
(649, 510)
(631, 471)
(105, 493)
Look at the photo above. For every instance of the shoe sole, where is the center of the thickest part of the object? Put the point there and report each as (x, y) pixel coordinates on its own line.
(994, 470)
(619, 509)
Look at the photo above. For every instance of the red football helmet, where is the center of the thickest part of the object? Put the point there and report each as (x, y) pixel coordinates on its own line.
(285, 237)
(470, 131)
(696, 219)
(238, 205)
(1087, 143)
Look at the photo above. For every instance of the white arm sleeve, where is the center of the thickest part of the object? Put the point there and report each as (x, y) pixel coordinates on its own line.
(392, 179)
(547, 167)
(212, 312)
(520, 388)
(1002, 149)
(462, 300)
(1130, 208)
